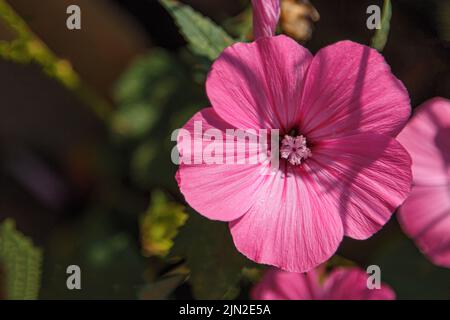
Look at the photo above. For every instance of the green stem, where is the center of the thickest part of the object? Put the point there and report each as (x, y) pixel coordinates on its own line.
(27, 47)
(380, 38)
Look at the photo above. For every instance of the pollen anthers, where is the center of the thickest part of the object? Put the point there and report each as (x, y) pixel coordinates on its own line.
(294, 149)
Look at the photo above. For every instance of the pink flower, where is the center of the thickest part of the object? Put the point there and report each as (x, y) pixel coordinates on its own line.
(266, 14)
(425, 215)
(343, 109)
(340, 284)
(294, 149)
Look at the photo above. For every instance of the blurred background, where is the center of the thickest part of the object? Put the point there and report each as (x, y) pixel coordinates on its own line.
(85, 123)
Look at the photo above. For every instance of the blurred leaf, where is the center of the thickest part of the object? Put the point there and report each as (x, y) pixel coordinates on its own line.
(141, 160)
(443, 13)
(110, 261)
(136, 85)
(2, 283)
(241, 25)
(27, 47)
(409, 273)
(101, 253)
(203, 35)
(380, 38)
(134, 120)
(162, 288)
(156, 95)
(253, 274)
(160, 224)
(339, 261)
(22, 263)
(143, 91)
(199, 65)
(215, 264)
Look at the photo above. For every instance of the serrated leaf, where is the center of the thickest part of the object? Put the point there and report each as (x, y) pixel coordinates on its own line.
(215, 264)
(21, 261)
(380, 38)
(204, 36)
(160, 224)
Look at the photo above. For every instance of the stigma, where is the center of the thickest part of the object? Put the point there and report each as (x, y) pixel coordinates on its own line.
(294, 149)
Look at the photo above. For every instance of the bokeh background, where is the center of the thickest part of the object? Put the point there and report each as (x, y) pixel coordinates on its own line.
(85, 169)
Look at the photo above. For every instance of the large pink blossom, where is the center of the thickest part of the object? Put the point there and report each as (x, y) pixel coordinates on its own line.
(425, 215)
(341, 170)
(340, 284)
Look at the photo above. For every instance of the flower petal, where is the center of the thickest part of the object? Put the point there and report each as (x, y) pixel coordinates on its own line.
(425, 217)
(350, 89)
(258, 84)
(340, 284)
(266, 14)
(427, 139)
(292, 226)
(351, 284)
(217, 191)
(281, 285)
(368, 175)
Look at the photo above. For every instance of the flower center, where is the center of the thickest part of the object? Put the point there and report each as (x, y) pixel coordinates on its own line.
(294, 149)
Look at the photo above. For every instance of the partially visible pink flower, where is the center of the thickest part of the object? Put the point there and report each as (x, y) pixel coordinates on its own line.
(343, 109)
(266, 14)
(340, 284)
(425, 215)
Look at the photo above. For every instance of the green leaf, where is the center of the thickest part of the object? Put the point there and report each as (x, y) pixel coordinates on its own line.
(409, 272)
(2, 283)
(143, 91)
(443, 12)
(155, 96)
(160, 224)
(161, 288)
(112, 266)
(380, 38)
(339, 261)
(204, 36)
(21, 262)
(214, 262)
(141, 162)
(241, 26)
(253, 274)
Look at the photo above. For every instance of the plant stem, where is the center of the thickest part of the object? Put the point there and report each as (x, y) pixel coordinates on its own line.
(27, 48)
